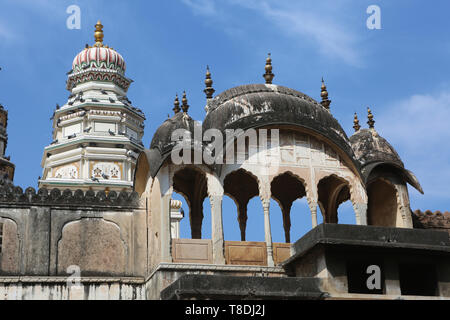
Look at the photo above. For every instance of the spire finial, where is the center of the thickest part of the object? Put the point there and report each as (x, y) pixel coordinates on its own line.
(98, 34)
(324, 94)
(209, 91)
(356, 125)
(184, 103)
(370, 122)
(176, 104)
(268, 76)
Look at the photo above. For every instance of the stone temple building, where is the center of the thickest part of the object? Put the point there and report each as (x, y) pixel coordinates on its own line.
(97, 133)
(104, 223)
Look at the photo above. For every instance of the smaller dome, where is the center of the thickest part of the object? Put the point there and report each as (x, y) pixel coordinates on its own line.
(162, 139)
(99, 57)
(369, 147)
(371, 151)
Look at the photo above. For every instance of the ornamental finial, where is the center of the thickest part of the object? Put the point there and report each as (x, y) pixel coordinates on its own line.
(176, 104)
(98, 34)
(324, 94)
(371, 122)
(184, 103)
(356, 125)
(209, 91)
(268, 76)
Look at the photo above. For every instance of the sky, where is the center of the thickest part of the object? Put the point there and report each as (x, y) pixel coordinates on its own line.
(400, 71)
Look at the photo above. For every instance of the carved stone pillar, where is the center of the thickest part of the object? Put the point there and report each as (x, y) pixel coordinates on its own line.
(404, 206)
(313, 208)
(217, 229)
(361, 213)
(166, 240)
(268, 232)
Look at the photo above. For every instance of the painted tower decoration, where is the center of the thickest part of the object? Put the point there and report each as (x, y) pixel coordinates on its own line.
(6, 166)
(97, 133)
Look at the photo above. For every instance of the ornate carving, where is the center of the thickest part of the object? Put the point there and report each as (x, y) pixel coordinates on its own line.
(431, 220)
(9, 194)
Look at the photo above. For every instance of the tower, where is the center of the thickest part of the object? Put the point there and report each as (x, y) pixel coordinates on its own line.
(97, 133)
(6, 166)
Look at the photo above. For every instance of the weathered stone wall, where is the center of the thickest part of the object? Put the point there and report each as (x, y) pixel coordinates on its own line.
(431, 220)
(46, 232)
(58, 288)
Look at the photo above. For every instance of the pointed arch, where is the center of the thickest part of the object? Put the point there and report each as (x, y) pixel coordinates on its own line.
(241, 186)
(285, 189)
(332, 191)
(191, 183)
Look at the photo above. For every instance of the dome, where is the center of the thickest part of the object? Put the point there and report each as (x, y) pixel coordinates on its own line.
(371, 150)
(258, 105)
(370, 147)
(162, 139)
(162, 144)
(99, 57)
(98, 63)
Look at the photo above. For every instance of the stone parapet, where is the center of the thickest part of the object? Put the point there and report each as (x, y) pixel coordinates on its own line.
(12, 195)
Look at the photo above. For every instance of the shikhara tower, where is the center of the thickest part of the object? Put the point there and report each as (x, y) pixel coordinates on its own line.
(97, 133)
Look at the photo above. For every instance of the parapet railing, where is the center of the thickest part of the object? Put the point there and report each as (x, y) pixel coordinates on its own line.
(13, 195)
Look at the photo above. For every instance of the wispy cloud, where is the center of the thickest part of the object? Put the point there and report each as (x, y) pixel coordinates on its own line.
(325, 29)
(418, 127)
(6, 34)
(201, 7)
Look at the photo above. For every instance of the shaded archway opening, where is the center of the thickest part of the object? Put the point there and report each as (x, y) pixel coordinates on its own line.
(285, 189)
(382, 206)
(332, 191)
(241, 186)
(192, 185)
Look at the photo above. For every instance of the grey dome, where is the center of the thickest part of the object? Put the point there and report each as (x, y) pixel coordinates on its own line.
(162, 144)
(370, 147)
(258, 105)
(372, 150)
(162, 137)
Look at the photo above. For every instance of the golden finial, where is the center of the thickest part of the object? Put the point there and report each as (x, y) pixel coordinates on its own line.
(268, 76)
(371, 122)
(98, 34)
(184, 103)
(209, 91)
(324, 94)
(356, 125)
(176, 104)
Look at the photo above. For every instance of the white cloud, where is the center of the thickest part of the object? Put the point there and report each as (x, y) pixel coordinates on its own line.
(418, 129)
(421, 117)
(201, 7)
(318, 23)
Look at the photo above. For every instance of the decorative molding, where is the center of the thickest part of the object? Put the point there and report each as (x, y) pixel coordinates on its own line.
(431, 220)
(9, 194)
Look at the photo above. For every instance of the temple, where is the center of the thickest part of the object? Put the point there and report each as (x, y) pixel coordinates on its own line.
(104, 223)
(97, 133)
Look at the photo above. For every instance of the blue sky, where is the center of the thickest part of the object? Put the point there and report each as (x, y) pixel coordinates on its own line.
(400, 71)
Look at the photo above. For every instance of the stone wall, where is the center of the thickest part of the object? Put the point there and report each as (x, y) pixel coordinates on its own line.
(45, 233)
(432, 220)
